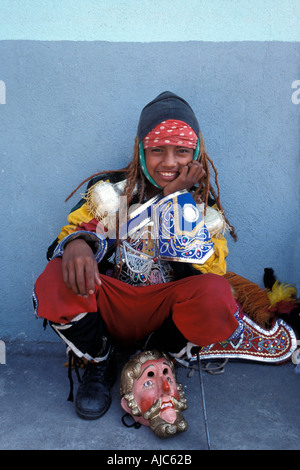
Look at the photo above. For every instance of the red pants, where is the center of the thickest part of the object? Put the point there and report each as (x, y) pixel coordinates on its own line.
(202, 306)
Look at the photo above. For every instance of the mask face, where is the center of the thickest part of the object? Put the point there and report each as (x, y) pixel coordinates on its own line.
(156, 383)
(157, 400)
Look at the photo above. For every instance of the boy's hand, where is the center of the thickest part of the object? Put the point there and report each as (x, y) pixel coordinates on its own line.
(79, 268)
(189, 175)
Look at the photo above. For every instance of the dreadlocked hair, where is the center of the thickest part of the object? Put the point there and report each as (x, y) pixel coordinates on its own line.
(136, 178)
(133, 173)
(205, 188)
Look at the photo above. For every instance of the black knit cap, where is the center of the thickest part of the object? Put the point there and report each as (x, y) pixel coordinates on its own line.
(165, 106)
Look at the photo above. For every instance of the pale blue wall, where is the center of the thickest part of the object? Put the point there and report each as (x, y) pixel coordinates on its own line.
(70, 97)
(150, 20)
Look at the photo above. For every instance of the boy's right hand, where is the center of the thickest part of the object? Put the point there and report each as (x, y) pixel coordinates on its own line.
(79, 268)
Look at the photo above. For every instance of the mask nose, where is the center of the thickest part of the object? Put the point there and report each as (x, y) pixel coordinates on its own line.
(166, 386)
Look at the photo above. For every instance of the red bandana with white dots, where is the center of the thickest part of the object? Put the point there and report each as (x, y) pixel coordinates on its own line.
(171, 132)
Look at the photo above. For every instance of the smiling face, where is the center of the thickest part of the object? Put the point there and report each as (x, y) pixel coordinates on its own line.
(164, 162)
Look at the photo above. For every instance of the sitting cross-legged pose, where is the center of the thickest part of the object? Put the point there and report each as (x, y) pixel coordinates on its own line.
(142, 258)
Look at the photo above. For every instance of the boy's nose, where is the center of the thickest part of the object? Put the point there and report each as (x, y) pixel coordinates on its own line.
(169, 159)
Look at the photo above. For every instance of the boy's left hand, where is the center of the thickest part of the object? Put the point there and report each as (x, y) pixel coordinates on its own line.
(189, 175)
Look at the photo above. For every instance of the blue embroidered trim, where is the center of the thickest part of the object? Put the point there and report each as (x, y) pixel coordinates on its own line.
(180, 230)
(100, 243)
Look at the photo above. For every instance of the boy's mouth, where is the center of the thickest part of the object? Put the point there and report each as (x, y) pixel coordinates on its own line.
(168, 175)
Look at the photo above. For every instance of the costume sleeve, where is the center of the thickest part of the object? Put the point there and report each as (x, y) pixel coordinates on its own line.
(81, 224)
(217, 227)
(216, 264)
(94, 217)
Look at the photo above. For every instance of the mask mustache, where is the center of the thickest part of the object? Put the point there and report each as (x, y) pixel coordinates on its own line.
(153, 410)
(180, 404)
(163, 428)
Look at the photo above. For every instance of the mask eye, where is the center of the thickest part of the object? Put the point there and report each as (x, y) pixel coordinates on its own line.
(148, 384)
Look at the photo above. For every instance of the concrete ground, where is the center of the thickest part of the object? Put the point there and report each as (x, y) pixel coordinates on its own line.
(251, 406)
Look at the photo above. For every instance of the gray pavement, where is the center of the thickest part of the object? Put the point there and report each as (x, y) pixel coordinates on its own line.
(251, 406)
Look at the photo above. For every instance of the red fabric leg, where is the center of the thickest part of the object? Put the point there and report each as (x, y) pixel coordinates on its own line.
(202, 306)
(55, 301)
(206, 314)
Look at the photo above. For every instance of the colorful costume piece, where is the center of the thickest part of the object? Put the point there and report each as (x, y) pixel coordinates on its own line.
(180, 231)
(254, 343)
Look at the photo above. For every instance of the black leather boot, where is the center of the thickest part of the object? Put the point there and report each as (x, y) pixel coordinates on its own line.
(93, 397)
